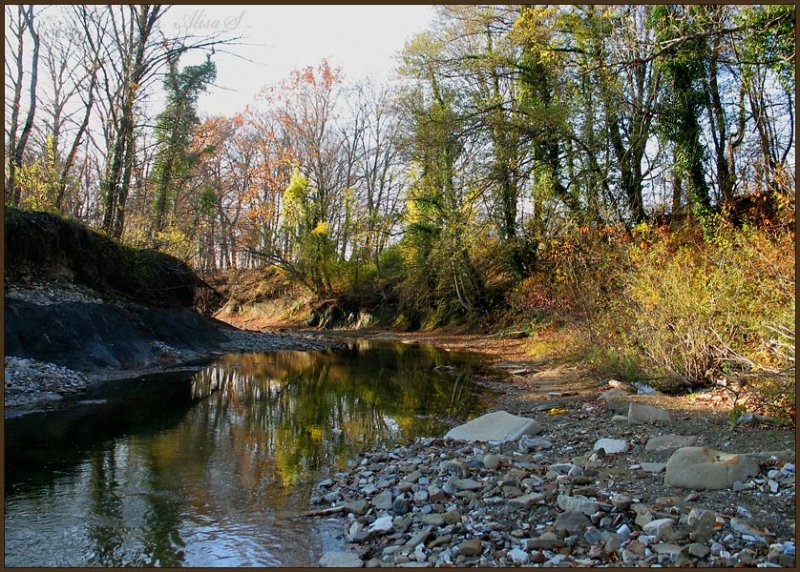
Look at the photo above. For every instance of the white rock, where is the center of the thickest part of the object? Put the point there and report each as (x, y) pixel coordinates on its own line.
(518, 556)
(382, 525)
(611, 446)
(499, 426)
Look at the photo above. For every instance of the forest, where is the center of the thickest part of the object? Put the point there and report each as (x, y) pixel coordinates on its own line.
(618, 179)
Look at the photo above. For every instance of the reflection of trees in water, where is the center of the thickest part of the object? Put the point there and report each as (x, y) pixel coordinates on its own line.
(289, 414)
(105, 531)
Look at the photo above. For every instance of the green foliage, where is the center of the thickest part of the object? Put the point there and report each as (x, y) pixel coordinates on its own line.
(174, 129)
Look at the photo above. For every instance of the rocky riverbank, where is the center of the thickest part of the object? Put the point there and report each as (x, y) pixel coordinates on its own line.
(61, 337)
(591, 489)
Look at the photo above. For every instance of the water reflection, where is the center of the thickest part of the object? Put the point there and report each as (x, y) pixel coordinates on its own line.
(213, 469)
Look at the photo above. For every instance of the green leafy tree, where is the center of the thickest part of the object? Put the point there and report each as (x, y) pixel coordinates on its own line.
(174, 128)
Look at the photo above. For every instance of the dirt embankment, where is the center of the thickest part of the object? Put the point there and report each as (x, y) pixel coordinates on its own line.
(81, 308)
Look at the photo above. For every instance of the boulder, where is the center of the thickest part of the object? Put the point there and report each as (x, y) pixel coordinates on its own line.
(340, 560)
(638, 413)
(702, 468)
(499, 426)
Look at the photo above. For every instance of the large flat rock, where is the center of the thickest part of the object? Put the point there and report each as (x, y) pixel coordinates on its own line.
(499, 426)
(702, 468)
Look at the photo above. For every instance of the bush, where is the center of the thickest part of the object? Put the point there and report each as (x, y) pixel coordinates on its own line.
(704, 311)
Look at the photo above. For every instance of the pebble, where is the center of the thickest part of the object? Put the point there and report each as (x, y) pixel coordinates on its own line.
(506, 504)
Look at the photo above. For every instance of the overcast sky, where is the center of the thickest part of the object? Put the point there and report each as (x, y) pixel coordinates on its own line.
(361, 40)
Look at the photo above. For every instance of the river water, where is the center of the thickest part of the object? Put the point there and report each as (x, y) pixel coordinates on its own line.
(214, 468)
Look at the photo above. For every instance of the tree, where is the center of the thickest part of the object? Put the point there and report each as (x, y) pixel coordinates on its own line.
(17, 143)
(174, 128)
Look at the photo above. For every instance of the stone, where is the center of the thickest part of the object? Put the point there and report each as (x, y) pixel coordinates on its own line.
(615, 384)
(471, 547)
(545, 541)
(452, 516)
(669, 442)
(418, 538)
(643, 513)
(742, 527)
(621, 501)
(527, 444)
(698, 550)
(612, 395)
(467, 485)
(433, 519)
(662, 528)
(572, 521)
(643, 388)
(638, 413)
(499, 426)
(341, 560)
(702, 468)
(611, 446)
(382, 525)
(357, 506)
(525, 501)
(654, 467)
(382, 501)
(518, 556)
(491, 461)
(584, 505)
(400, 505)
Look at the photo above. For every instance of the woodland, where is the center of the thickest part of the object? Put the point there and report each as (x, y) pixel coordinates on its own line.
(617, 181)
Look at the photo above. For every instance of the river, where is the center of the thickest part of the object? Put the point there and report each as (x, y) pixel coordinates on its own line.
(215, 467)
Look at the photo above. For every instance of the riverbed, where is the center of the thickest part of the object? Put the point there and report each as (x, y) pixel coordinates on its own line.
(215, 467)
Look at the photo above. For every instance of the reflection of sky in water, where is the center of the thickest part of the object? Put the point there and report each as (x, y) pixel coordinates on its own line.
(213, 470)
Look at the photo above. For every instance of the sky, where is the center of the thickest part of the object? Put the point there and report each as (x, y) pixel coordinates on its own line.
(361, 40)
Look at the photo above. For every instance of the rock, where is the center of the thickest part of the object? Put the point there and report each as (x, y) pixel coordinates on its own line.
(620, 501)
(613, 394)
(471, 547)
(525, 501)
(663, 528)
(491, 461)
(702, 468)
(499, 426)
(418, 538)
(611, 446)
(698, 550)
(638, 413)
(452, 516)
(614, 384)
(382, 501)
(433, 519)
(669, 442)
(643, 514)
(528, 444)
(742, 527)
(518, 556)
(545, 541)
(644, 389)
(572, 521)
(654, 467)
(467, 485)
(357, 506)
(340, 560)
(382, 525)
(400, 505)
(584, 505)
